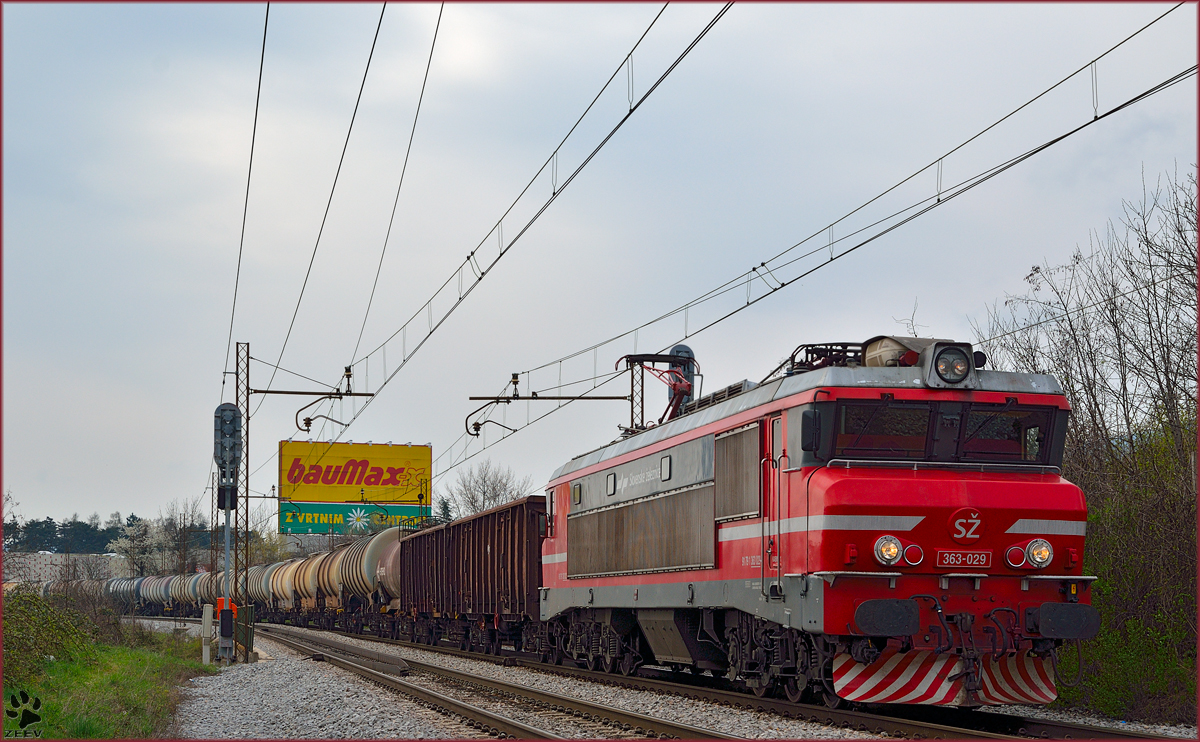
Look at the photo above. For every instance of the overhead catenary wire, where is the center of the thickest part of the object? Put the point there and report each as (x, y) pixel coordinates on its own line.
(293, 373)
(471, 260)
(427, 307)
(237, 276)
(329, 202)
(747, 275)
(951, 151)
(403, 170)
(947, 195)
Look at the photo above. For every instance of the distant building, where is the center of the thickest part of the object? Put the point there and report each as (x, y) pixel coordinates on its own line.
(43, 566)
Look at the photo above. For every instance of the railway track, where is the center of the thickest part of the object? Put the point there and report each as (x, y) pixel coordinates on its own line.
(587, 719)
(915, 722)
(841, 719)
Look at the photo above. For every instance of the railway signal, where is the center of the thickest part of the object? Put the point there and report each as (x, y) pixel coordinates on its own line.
(227, 452)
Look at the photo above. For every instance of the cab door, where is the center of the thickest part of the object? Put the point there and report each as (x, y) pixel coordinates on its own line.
(773, 463)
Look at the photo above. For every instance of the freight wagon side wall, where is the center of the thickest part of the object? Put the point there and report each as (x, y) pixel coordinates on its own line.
(500, 551)
(487, 564)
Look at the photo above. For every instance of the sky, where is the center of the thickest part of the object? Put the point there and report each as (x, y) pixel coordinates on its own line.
(127, 141)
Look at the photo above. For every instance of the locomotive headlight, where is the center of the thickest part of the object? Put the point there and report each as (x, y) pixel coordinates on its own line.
(952, 365)
(1039, 552)
(887, 550)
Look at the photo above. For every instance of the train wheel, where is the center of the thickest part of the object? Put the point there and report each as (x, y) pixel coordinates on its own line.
(831, 699)
(592, 662)
(609, 664)
(628, 664)
(793, 690)
(761, 691)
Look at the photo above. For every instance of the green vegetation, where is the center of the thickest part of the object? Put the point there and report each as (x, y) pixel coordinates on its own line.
(1117, 328)
(87, 689)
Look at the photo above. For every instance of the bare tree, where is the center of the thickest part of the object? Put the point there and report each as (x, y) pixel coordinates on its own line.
(484, 486)
(1117, 327)
(179, 536)
(910, 322)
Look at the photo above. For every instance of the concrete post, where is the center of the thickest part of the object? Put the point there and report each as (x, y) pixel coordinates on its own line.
(206, 634)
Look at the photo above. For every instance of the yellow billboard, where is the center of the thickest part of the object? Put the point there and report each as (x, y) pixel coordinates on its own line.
(354, 472)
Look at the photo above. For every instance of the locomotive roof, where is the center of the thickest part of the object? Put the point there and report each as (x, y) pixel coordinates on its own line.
(832, 376)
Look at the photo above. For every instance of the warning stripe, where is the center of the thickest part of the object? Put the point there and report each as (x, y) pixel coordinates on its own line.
(923, 677)
(1019, 679)
(918, 676)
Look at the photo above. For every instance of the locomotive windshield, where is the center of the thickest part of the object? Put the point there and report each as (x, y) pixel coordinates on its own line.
(1002, 433)
(883, 430)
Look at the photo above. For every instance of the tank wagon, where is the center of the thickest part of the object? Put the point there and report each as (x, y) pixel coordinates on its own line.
(336, 589)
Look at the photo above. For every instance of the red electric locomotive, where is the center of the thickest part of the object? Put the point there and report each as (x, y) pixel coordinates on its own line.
(885, 523)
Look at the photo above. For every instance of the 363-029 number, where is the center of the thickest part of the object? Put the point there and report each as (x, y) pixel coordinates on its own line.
(964, 559)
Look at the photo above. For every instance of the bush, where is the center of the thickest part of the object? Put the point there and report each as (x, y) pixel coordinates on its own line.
(1133, 670)
(37, 632)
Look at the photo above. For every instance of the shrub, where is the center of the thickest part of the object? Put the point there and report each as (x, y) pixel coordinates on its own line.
(35, 631)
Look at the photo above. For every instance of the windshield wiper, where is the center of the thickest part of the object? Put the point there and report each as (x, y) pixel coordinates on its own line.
(1008, 405)
(867, 424)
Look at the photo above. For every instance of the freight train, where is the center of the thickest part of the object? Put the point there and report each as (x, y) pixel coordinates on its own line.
(884, 523)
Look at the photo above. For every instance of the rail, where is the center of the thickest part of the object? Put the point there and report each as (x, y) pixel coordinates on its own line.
(615, 716)
(905, 721)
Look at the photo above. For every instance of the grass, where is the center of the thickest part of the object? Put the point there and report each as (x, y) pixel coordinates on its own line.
(119, 692)
(87, 688)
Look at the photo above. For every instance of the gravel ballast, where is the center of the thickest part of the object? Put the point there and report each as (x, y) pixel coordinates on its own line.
(286, 696)
(290, 697)
(739, 722)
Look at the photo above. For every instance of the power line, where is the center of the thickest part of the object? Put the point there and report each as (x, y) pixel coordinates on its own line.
(403, 169)
(246, 203)
(1076, 310)
(245, 209)
(748, 275)
(328, 203)
(293, 373)
(947, 195)
(471, 263)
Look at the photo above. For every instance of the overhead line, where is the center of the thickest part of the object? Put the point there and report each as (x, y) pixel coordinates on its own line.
(328, 203)
(483, 272)
(403, 169)
(947, 195)
(293, 373)
(536, 175)
(736, 281)
(965, 186)
(246, 203)
(245, 209)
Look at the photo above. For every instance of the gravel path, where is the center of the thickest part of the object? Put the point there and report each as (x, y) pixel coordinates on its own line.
(285, 696)
(740, 722)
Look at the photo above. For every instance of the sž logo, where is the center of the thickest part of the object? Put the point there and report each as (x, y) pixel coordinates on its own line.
(965, 526)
